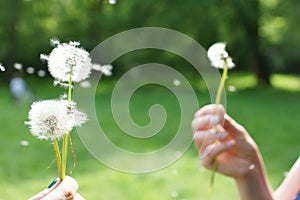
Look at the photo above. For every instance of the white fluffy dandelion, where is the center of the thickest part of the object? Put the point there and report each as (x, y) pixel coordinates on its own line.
(2, 68)
(219, 57)
(67, 61)
(52, 119)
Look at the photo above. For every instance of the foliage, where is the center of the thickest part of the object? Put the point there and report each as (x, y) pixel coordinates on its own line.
(27, 25)
(266, 117)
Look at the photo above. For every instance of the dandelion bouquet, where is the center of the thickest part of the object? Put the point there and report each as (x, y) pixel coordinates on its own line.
(219, 58)
(54, 119)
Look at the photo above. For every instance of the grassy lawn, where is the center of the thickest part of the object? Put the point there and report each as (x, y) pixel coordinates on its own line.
(271, 116)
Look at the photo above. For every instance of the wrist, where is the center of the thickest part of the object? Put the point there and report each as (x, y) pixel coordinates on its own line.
(254, 184)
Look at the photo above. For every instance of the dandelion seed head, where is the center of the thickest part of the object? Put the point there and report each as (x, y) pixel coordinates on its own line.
(63, 96)
(67, 61)
(52, 119)
(74, 43)
(219, 57)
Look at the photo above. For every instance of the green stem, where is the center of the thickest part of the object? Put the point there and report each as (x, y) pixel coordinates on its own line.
(218, 100)
(58, 159)
(64, 154)
(221, 85)
(67, 135)
(70, 89)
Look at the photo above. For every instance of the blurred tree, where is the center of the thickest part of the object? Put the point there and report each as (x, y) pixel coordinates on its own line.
(260, 33)
(280, 28)
(11, 11)
(239, 25)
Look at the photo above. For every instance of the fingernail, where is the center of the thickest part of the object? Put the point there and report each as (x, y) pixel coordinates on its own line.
(53, 183)
(196, 135)
(214, 120)
(212, 131)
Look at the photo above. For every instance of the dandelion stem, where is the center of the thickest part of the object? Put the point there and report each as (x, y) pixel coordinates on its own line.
(58, 159)
(222, 83)
(67, 135)
(64, 154)
(218, 100)
(70, 89)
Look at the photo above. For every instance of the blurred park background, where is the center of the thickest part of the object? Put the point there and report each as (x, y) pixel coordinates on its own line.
(263, 91)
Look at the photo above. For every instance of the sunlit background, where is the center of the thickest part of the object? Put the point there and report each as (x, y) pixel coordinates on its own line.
(263, 91)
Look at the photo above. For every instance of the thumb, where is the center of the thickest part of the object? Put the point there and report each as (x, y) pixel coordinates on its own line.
(233, 128)
(66, 190)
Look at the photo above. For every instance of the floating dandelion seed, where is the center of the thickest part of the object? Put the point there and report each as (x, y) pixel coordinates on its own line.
(105, 69)
(251, 167)
(85, 84)
(174, 194)
(30, 70)
(41, 73)
(174, 172)
(231, 88)
(176, 82)
(18, 66)
(112, 2)
(2, 68)
(24, 143)
(52, 119)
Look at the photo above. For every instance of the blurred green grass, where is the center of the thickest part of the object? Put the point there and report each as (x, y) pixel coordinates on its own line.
(271, 116)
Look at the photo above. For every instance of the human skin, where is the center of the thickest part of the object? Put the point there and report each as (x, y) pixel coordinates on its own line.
(217, 135)
(65, 190)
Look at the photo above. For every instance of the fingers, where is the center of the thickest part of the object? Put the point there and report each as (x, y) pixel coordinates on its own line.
(45, 192)
(78, 197)
(203, 138)
(233, 127)
(211, 109)
(210, 152)
(208, 117)
(66, 190)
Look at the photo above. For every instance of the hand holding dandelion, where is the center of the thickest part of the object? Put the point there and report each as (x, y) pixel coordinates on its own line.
(55, 119)
(219, 58)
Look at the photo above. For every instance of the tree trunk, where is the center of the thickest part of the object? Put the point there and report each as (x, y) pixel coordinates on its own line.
(251, 23)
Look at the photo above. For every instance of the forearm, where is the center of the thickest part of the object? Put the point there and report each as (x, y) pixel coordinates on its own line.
(291, 184)
(255, 185)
